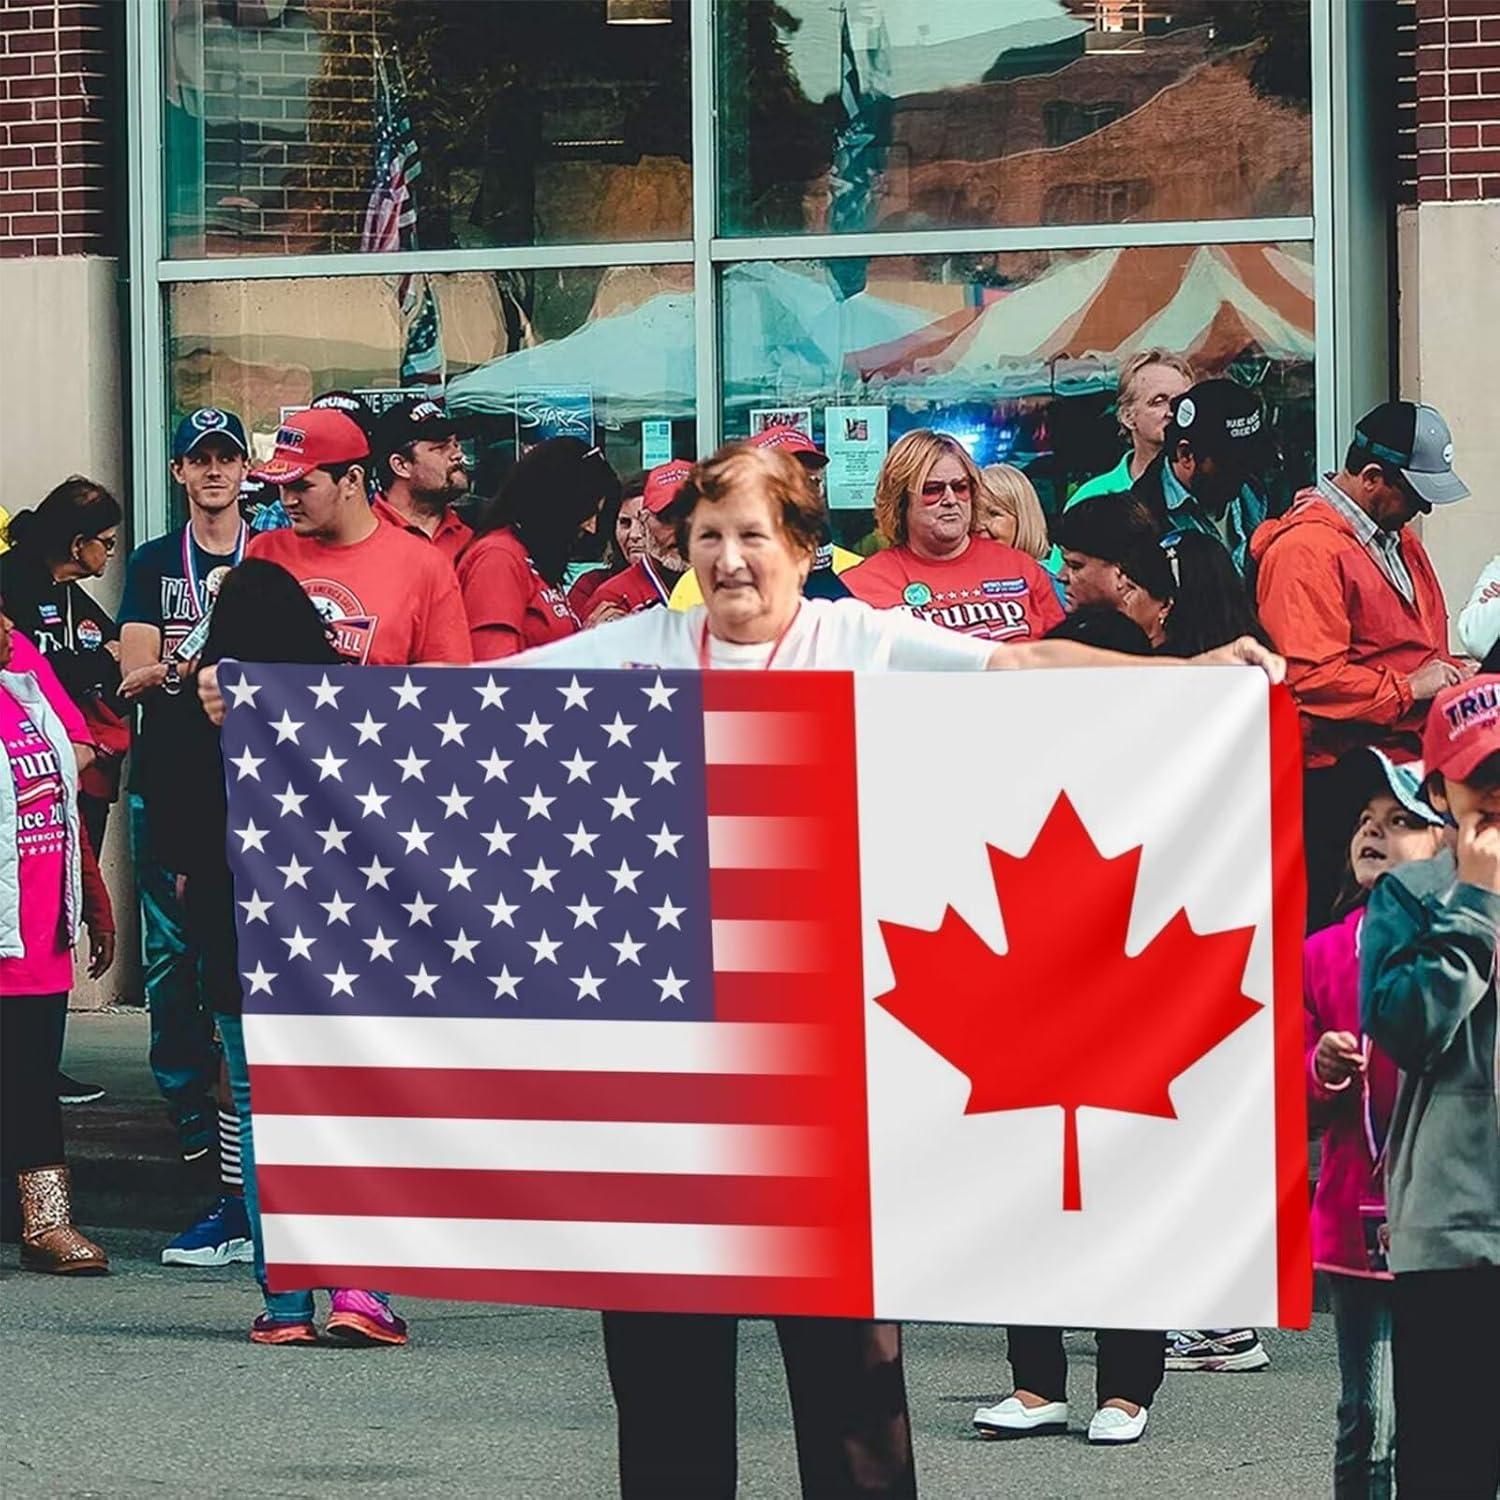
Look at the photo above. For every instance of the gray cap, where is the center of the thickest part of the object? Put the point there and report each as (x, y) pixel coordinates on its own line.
(1417, 441)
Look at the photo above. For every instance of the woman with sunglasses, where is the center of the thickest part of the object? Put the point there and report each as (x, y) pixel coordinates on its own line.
(937, 566)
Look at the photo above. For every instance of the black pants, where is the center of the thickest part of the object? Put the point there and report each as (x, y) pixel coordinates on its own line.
(1131, 1363)
(1445, 1328)
(673, 1377)
(31, 1038)
(95, 814)
(1326, 831)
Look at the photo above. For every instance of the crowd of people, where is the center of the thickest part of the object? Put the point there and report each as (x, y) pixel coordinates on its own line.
(373, 554)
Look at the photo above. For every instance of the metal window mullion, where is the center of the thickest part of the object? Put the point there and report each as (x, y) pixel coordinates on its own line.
(1327, 66)
(705, 208)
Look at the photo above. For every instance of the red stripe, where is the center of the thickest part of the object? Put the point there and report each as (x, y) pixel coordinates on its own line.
(1289, 903)
(760, 791)
(610, 1197)
(492, 1094)
(765, 895)
(822, 693)
(776, 997)
(748, 1296)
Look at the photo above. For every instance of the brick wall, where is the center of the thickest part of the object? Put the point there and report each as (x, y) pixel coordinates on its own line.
(55, 128)
(1458, 100)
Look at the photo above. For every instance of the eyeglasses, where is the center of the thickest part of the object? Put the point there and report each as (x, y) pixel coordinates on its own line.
(109, 543)
(934, 489)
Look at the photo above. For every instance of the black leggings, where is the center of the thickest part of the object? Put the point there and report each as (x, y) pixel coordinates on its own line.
(31, 1038)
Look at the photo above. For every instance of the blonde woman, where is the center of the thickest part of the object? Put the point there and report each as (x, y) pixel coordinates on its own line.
(1149, 383)
(1009, 511)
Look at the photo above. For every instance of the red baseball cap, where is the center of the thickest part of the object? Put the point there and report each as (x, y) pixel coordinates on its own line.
(795, 441)
(310, 439)
(662, 484)
(1463, 727)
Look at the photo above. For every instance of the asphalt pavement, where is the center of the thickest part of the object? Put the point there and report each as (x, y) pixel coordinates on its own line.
(143, 1383)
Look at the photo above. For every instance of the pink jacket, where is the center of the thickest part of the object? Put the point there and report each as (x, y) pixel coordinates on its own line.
(1347, 1176)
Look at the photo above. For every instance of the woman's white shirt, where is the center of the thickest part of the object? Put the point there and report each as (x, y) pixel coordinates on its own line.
(827, 635)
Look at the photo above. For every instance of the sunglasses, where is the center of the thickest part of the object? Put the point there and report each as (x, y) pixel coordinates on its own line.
(934, 489)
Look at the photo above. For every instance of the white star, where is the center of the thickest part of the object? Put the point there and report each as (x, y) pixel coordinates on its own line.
(451, 730)
(252, 837)
(618, 730)
(260, 980)
(375, 874)
(671, 986)
(242, 692)
(298, 946)
(372, 802)
(661, 768)
(578, 767)
(505, 984)
(667, 914)
(575, 696)
(463, 947)
(501, 910)
(380, 945)
(338, 909)
(627, 948)
(455, 804)
(658, 695)
(494, 767)
(369, 730)
(544, 948)
(540, 876)
(248, 765)
(581, 839)
(491, 695)
(535, 730)
(497, 839)
(584, 913)
(423, 983)
(255, 908)
(291, 802)
(625, 877)
(333, 837)
(537, 804)
(294, 872)
(458, 875)
(325, 695)
(286, 729)
(415, 838)
(341, 980)
(328, 765)
(411, 765)
(588, 986)
(620, 805)
(421, 911)
(666, 841)
(408, 695)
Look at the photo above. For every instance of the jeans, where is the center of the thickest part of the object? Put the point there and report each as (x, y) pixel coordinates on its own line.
(1365, 1449)
(183, 1056)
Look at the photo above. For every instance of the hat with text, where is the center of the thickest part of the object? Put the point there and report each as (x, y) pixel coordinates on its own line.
(794, 441)
(1463, 727)
(207, 422)
(418, 419)
(1417, 441)
(353, 406)
(309, 440)
(1220, 419)
(662, 484)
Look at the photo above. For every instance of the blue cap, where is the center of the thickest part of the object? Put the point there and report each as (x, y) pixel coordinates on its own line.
(205, 422)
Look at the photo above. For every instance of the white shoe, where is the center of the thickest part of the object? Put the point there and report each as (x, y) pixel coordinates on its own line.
(1111, 1425)
(1011, 1419)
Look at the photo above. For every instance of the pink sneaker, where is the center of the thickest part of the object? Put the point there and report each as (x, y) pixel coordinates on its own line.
(359, 1318)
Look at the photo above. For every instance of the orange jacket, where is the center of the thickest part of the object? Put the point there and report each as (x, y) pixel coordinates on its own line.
(1351, 641)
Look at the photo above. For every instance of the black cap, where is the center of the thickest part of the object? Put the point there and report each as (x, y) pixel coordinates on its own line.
(1110, 527)
(1221, 420)
(356, 408)
(1109, 630)
(418, 419)
(1417, 441)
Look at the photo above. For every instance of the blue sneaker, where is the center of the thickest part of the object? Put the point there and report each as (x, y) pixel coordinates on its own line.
(220, 1237)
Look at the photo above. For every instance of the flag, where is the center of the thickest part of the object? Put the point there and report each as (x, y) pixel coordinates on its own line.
(852, 177)
(391, 214)
(937, 997)
(422, 362)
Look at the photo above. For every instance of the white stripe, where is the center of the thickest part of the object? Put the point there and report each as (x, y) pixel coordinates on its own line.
(584, 1046)
(744, 947)
(538, 1145)
(547, 1245)
(755, 843)
(758, 739)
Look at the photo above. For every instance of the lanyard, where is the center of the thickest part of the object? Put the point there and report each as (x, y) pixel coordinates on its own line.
(202, 598)
(705, 665)
(656, 583)
(1374, 1140)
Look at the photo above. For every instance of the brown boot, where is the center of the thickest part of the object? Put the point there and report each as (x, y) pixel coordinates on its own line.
(49, 1242)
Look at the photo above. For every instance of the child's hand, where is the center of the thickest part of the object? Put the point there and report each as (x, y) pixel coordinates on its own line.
(1338, 1058)
(1478, 850)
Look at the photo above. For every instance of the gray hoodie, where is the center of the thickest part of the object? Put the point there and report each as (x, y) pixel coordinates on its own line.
(1427, 994)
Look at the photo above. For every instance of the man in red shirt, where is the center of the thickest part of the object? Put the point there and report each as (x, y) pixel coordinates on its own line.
(420, 465)
(390, 599)
(649, 580)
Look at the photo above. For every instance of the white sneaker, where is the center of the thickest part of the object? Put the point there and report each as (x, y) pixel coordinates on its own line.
(1011, 1419)
(1111, 1425)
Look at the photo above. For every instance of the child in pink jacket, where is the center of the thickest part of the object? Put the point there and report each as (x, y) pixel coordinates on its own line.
(1351, 1091)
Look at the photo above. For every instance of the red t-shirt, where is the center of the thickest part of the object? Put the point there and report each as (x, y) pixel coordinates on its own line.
(989, 590)
(391, 599)
(581, 595)
(634, 588)
(511, 607)
(451, 537)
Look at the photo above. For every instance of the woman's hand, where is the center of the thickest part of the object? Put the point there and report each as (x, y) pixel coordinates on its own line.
(209, 695)
(101, 951)
(1338, 1058)
(144, 680)
(1245, 652)
(603, 614)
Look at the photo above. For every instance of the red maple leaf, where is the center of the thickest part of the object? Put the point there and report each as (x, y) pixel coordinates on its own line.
(1065, 1016)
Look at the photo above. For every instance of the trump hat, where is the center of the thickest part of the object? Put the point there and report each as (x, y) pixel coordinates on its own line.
(1463, 727)
(312, 439)
(662, 484)
(795, 441)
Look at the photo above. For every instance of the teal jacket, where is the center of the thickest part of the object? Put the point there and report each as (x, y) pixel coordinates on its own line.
(1427, 997)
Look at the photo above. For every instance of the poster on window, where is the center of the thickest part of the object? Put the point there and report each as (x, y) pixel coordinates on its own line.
(762, 417)
(553, 411)
(856, 439)
(656, 443)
